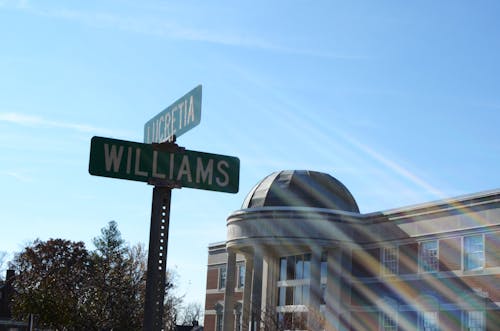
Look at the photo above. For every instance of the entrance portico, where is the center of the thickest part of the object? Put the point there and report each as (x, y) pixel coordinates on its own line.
(313, 262)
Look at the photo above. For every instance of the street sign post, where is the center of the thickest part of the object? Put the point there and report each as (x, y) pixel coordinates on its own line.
(162, 163)
(156, 163)
(176, 119)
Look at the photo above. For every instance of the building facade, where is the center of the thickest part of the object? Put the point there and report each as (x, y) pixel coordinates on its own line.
(300, 256)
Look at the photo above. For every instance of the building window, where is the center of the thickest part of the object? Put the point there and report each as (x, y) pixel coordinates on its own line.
(429, 256)
(473, 252)
(294, 290)
(219, 317)
(222, 277)
(388, 314)
(238, 316)
(295, 273)
(390, 260)
(323, 275)
(387, 323)
(474, 321)
(429, 321)
(241, 275)
(218, 322)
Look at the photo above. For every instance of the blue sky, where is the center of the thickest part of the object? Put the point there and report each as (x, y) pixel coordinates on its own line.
(399, 101)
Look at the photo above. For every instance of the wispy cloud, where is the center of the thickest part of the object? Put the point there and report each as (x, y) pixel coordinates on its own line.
(40, 122)
(18, 176)
(393, 166)
(170, 29)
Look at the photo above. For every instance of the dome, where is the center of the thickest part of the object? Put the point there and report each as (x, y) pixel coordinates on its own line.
(301, 188)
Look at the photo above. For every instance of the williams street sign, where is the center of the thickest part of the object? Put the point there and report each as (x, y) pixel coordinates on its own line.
(176, 119)
(158, 163)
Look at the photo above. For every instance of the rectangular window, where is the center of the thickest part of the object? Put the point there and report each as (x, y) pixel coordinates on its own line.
(390, 260)
(238, 320)
(222, 277)
(241, 275)
(218, 322)
(387, 323)
(474, 321)
(429, 256)
(473, 252)
(296, 270)
(429, 321)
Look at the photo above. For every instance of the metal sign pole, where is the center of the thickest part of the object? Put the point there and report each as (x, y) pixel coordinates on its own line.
(157, 259)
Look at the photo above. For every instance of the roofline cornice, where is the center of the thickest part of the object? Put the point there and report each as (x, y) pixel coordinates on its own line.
(462, 203)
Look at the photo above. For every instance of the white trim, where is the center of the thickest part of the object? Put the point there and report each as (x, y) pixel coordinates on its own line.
(292, 309)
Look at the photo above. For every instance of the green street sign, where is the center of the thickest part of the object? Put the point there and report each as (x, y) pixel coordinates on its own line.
(178, 118)
(157, 163)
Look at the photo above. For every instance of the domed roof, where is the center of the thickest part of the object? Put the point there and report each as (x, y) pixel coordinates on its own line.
(301, 188)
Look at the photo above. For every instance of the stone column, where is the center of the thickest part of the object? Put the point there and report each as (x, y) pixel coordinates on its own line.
(229, 291)
(247, 293)
(314, 316)
(256, 307)
(269, 288)
(345, 287)
(337, 292)
(333, 290)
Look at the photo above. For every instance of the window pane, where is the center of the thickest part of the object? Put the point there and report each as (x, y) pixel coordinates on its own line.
(473, 252)
(390, 260)
(429, 321)
(289, 296)
(281, 296)
(283, 268)
(324, 267)
(305, 294)
(299, 267)
(297, 295)
(475, 321)
(290, 274)
(222, 277)
(429, 256)
(241, 276)
(218, 322)
(388, 324)
(307, 266)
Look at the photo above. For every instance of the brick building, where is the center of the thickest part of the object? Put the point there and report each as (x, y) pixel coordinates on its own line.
(300, 256)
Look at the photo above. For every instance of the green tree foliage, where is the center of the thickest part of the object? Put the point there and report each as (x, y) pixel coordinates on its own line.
(51, 283)
(118, 282)
(71, 288)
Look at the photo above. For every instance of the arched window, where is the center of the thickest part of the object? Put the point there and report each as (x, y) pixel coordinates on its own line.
(219, 316)
(238, 308)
